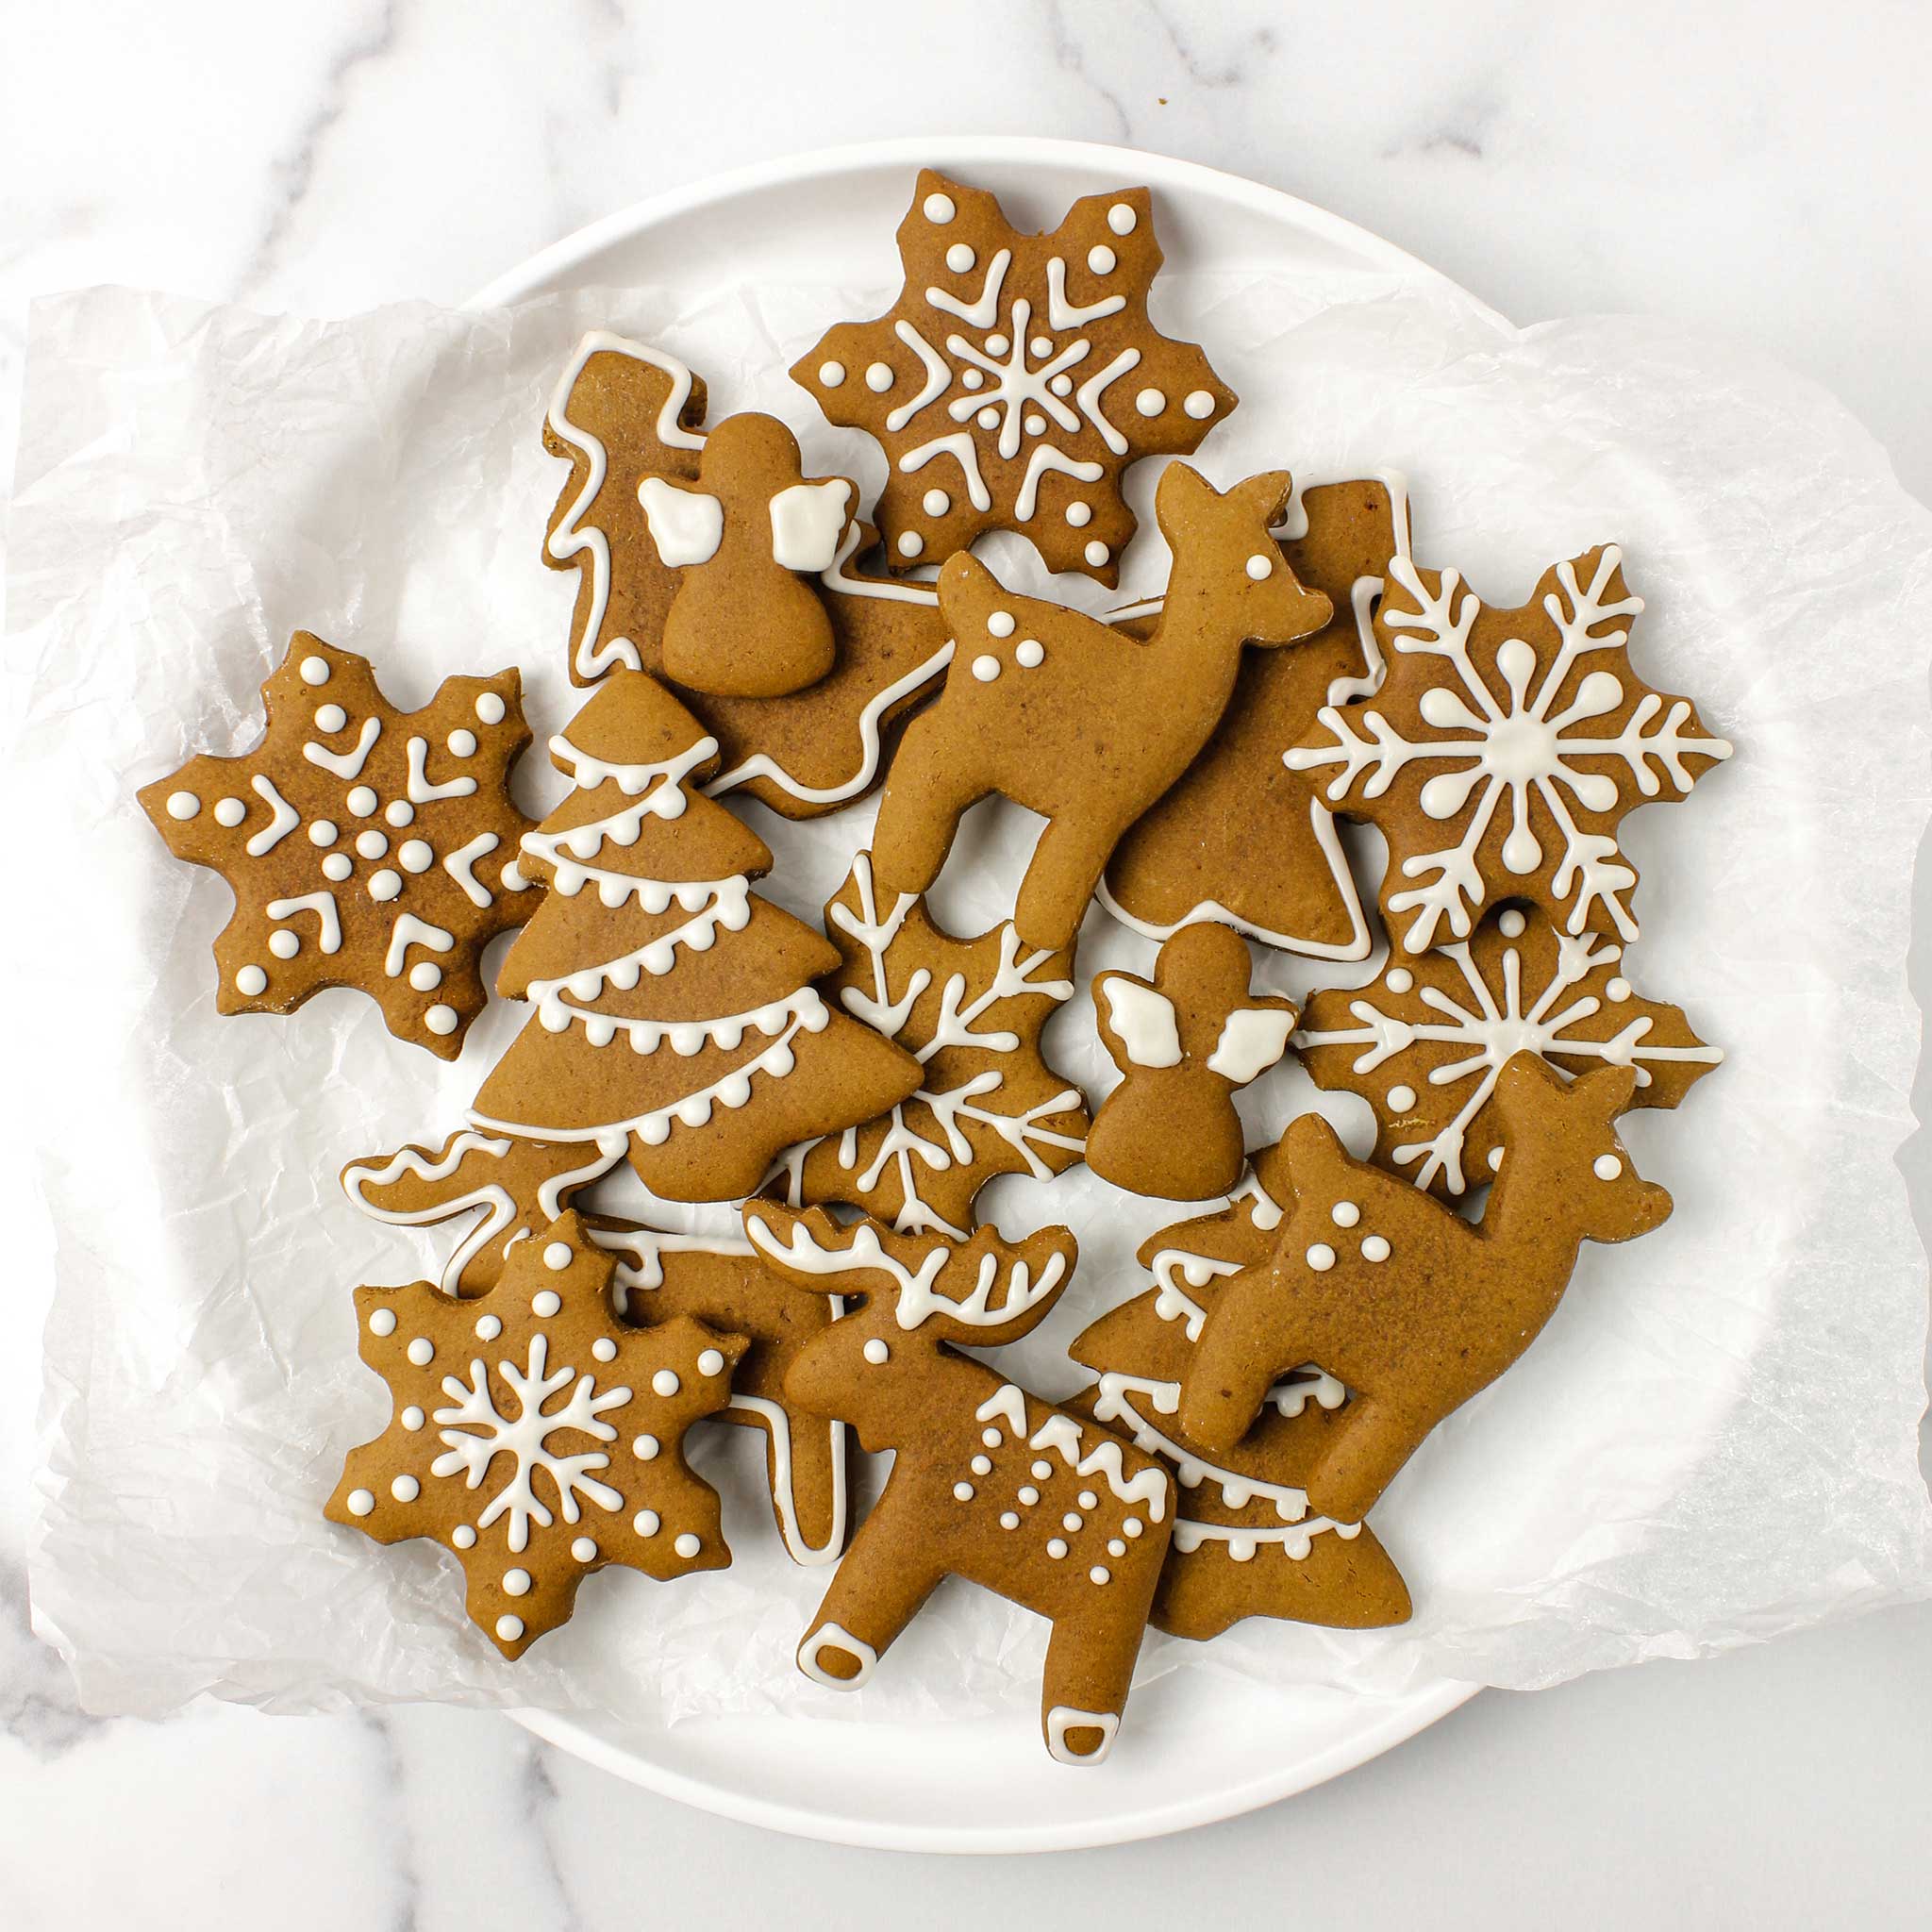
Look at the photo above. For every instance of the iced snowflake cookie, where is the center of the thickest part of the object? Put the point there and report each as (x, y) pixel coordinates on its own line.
(624, 416)
(536, 1435)
(989, 1483)
(1184, 1043)
(366, 847)
(1504, 749)
(1409, 1306)
(1239, 836)
(1245, 1543)
(1424, 1044)
(970, 1012)
(1016, 378)
(1075, 720)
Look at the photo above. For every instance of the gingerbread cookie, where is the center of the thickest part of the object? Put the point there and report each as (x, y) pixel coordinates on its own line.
(1184, 1045)
(1411, 1307)
(536, 1435)
(970, 1011)
(1504, 750)
(987, 1482)
(1239, 838)
(1016, 378)
(1073, 719)
(366, 847)
(1425, 1042)
(1244, 1542)
(624, 416)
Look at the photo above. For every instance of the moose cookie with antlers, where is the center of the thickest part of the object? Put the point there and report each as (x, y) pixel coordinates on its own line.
(1040, 1506)
(1184, 1045)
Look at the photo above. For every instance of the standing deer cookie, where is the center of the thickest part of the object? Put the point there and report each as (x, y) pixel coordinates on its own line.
(1395, 1295)
(1184, 1045)
(1045, 1509)
(1079, 722)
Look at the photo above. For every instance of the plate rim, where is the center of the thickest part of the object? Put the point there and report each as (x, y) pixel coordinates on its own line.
(1400, 1718)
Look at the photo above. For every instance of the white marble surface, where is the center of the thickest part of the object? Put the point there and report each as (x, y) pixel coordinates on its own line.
(1760, 169)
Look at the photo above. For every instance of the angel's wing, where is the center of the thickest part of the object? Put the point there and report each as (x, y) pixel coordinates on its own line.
(1252, 1039)
(1142, 1020)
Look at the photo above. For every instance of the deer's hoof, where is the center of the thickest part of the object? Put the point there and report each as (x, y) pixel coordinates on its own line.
(833, 1657)
(1080, 1736)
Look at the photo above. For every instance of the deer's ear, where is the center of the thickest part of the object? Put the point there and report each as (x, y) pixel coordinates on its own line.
(1607, 1091)
(1266, 494)
(1178, 498)
(809, 1250)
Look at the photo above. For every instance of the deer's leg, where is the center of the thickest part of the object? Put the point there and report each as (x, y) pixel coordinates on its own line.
(876, 1591)
(1373, 1440)
(1089, 1666)
(933, 782)
(1060, 877)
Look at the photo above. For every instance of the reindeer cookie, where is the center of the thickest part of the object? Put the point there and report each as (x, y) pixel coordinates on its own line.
(1077, 721)
(1411, 1307)
(989, 1483)
(1184, 1045)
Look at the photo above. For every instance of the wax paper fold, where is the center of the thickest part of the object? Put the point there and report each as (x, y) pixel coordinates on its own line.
(1716, 1439)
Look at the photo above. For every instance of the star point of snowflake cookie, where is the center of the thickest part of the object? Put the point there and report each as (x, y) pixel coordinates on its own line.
(536, 1435)
(366, 847)
(1523, 734)
(1016, 378)
(971, 1012)
(1424, 1044)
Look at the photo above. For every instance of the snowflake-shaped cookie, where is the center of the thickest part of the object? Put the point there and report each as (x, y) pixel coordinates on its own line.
(366, 847)
(1424, 1044)
(971, 1012)
(1016, 378)
(537, 1435)
(1504, 750)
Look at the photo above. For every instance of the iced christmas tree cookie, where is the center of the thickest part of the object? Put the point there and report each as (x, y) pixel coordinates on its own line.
(1504, 749)
(1016, 378)
(366, 847)
(536, 1435)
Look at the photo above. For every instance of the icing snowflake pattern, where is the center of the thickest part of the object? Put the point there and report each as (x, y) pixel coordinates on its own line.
(1016, 378)
(1523, 734)
(1424, 1044)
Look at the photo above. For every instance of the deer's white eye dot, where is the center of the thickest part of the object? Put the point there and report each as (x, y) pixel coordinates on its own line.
(665, 1382)
(1321, 1257)
(1040, 1472)
(1115, 1547)
(422, 1351)
(1007, 1520)
(981, 1465)
(1510, 925)
(991, 1438)
(1096, 554)
(1150, 401)
(936, 503)
(878, 377)
(1259, 567)
(1132, 1527)
(876, 1352)
(1400, 1099)
(1606, 1167)
(1070, 1521)
(1122, 219)
(412, 1418)
(545, 1304)
(1102, 260)
(406, 1489)
(1400, 980)
(1199, 404)
(938, 209)
(516, 1583)
(1344, 1214)
(711, 1362)
(1099, 1574)
(1617, 990)
(687, 1545)
(1375, 1248)
(645, 1522)
(1000, 624)
(1056, 1548)
(1495, 1159)
(962, 1492)
(911, 544)
(361, 1502)
(832, 374)
(463, 1537)
(1030, 1495)
(645, 1449)
(382, 1322)
(584, 1550)
(959, 257)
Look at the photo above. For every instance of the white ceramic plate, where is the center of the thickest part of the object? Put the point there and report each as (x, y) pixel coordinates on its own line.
(1200, 1747)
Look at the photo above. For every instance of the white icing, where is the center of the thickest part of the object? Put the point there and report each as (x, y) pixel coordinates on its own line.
(346, 764)
(808, 519)
(285, 818)
(489, 707)
(1121, 218)
(1143, 1020)
(985, 669)
(1063, 1717)
(329, 937)
(421, 791)
(182, 804)
(1253, 1038)
(686, 525)
(462, 866)
(835, 1636)
(315, 670)
(960, 447)
(251, 982)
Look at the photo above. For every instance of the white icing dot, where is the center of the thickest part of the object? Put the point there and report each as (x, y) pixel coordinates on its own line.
(1028, 1494)
(283, 943)
(645, 1522)
(1008, 1519)
(962, 1492)
(509, 1628)
(422, 1351)
(665, 1382)
(412, 1418)
(711, 1362)
(545, 1303)
(363, 801)
(516, 1583)
(416, 855)
(1062, 385)
(687, 1545)
(584, 1550)
(1344, 1214)
(1199, 403)
(488, 1328)
(959, 257)
(315, 670)
(439, 1019)
(1000, 624)
(371, 844)
(1321, 1257)
(936, 503)
(399, 812)
(991, 1438)
(997, 346)
(1131, 1527)
(1030, 653)
(1036, 425)
(1042, 1471)
(1042, 346)
(1122, 219)
(330, 718)
(1099, 1574)
(1056, 1548)
(1150, 401)
(971, 379)
(987, 418)
(182, 804)
(406, 1489)
(1095, 554)
(1088, 1500)
(1102, 260)
(1259, 567)
(1375, 1248)
(251, 980)
(939, 209)
(1617, 990)
(911, 543)
(556, 1256)
(382, 1322)
(981, 1465)
(1079, 514)
(878, 377)
(1400, 1099)
(322, 832)
(462, 745)
(1400, 980)
(1606, 1167)
(1072, 1521)
(1115, 1547)
(361, 1502)
(338, 866)
(1510, 925)
(832, 374)
(1495, 1159)
(603, 1349)
(489, 707)
(229, 812)
(876, 1352)
(644, 1448)
(985, 669)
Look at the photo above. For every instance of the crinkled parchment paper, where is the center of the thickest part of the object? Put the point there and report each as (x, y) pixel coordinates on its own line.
(1715, 1440)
